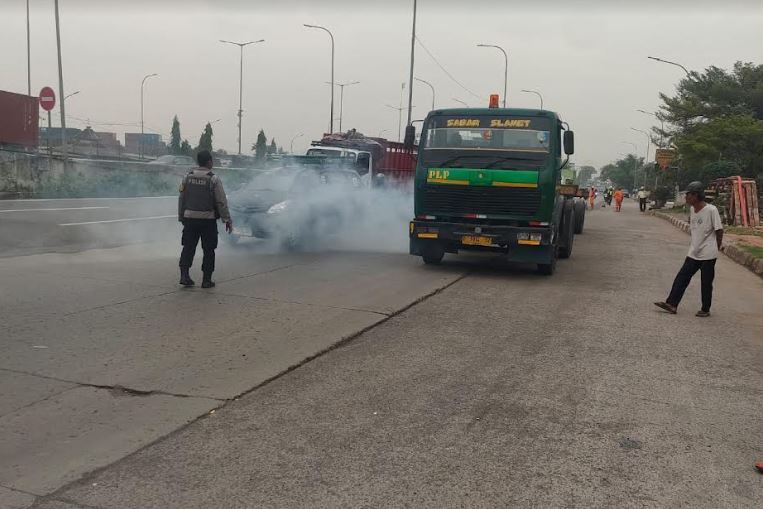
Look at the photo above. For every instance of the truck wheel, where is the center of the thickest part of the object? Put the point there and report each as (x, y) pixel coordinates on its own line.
(432, 254)
(579, 216)
(568, 232)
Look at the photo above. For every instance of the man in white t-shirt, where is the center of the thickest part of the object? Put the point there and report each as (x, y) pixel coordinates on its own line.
(706, 240)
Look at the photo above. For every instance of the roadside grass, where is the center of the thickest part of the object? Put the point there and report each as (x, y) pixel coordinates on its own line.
(741, 230)
(755, 251)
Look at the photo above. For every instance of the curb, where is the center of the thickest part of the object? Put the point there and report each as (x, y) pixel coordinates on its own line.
(755, 265)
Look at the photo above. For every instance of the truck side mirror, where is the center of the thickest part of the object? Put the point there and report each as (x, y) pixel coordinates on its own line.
(569, 142)
(410, 137)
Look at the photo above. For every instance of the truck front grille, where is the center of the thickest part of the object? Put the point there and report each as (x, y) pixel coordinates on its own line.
(461, 200)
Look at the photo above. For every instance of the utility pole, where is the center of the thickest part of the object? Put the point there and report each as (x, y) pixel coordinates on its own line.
(341, 99)
(648, 141)
(430, 86)
(505, 69)
(142, 83)
(241, 46)
(662, 123)
(28, 54)
(291, 145)
(61, 83)
(331, 115)
(410, 76)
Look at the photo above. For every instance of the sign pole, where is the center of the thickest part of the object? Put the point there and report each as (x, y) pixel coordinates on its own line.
(50, 149)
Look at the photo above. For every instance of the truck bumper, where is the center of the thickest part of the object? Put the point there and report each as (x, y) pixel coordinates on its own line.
(518, 243)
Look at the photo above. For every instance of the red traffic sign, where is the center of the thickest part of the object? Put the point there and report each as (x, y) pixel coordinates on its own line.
(47, 99)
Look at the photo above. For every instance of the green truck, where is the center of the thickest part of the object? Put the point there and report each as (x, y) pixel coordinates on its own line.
(489, 179)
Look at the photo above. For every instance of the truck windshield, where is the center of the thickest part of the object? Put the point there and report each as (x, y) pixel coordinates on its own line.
(488, 133)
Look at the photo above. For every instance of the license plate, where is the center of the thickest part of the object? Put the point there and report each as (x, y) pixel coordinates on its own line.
(476, 240)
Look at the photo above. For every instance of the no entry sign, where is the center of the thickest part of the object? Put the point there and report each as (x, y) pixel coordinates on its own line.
(47, 99)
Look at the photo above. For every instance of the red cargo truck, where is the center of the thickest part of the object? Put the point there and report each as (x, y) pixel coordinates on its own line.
(19, 120)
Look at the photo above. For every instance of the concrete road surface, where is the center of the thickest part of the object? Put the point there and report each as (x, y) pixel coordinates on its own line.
(473, 384)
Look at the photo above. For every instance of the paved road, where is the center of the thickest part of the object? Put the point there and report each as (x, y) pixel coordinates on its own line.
(496, 388)
(71, 225)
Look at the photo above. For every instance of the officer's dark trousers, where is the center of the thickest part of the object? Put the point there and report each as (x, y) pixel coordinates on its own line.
(690, 267)
(642, 204)
(193, 230)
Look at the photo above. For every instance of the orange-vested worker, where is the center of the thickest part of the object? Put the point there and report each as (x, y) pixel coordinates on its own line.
(591, 197)
(619, 195)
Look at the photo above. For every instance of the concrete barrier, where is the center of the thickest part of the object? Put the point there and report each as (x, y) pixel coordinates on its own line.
(735, 253)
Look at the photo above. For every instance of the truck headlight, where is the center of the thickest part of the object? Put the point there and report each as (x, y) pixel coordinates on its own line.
(279, 207)
(536, 236)
(523, 236)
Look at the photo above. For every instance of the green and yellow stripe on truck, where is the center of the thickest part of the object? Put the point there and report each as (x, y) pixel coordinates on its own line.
(483, 177)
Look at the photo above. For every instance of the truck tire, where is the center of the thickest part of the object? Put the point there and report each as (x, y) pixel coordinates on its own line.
(567, 231)
(432, 254)
(579, 216)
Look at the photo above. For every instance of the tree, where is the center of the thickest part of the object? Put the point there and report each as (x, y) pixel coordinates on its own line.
(717, 115)
(205, 140)
(175, 136)
(273, 148)
(261, 147)
(186, 149)
(624, 172)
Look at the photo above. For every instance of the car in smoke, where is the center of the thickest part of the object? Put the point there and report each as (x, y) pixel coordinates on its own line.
(171, 161)
(295, 205)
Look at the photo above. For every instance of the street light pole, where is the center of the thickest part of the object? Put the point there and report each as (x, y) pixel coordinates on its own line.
(536, 93)
(648, 141)
(410, 76)
(241, 46)
(28, 53)
(331, 116)
(142, 84)
(505, 70)
(341, 99)
(688, 74)
(662, 123)
(635, 154)
(60, 82)
(291, 145)
(430, 86)
(399, 118)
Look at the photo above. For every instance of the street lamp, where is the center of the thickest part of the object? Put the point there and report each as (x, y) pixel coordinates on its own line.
(28, 53)
(399, 110)
(291, 145)
(688, 74)
(60, 82)
(662, 123)
(69, 95)
(536, 93)
(410, 76)
(506, 68)
(341, 98)
(460, 102)
(635, 153)
(142, 83)
(430, 86)
(648, 140)
(241, 46)
(331, 115)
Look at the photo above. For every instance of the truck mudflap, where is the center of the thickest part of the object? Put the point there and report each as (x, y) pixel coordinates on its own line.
(518, 243)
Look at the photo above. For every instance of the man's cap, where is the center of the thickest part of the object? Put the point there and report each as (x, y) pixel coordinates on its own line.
(695, 187)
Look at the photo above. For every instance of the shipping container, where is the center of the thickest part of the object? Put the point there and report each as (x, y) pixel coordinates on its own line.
(19, 120)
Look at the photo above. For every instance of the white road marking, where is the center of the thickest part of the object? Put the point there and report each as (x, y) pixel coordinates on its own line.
(89, 199)
(49, 210)
(119, 220)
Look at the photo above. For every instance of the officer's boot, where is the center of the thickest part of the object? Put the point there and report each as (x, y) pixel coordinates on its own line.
(207, 281)
(185, 277)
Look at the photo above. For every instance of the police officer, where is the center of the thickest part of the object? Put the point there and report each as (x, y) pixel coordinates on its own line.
(201, 203)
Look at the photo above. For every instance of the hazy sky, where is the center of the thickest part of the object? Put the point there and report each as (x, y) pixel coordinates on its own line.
(588, 59)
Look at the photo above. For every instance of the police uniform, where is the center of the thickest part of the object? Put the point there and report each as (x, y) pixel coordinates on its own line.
(201, 203)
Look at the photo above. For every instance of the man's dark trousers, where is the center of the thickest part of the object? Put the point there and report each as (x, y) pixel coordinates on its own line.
(642, 204)
(690, 267)
(193, 230)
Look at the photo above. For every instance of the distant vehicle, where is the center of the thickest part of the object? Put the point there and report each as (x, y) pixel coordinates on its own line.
(371, 157)
(294, 204)
(174, 161)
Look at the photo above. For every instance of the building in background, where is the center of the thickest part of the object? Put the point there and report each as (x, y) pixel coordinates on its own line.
(153, 146)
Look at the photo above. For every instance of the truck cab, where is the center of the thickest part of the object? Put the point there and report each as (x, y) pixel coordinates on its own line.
(489, 179)
(359, 160)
